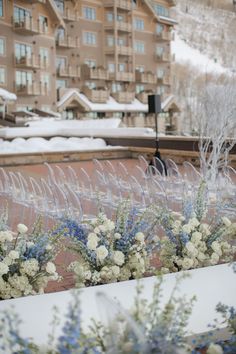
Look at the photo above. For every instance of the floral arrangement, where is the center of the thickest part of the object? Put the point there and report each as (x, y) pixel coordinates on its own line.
(147, 328)
(26, 261)
(110, 251)
(192, 242)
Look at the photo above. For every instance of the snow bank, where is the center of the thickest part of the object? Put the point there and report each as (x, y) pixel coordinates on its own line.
(6, 95)
(77, 124)
(184, 53)
(20, 145)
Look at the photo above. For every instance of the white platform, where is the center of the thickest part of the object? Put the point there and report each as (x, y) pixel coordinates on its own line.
(211, 285)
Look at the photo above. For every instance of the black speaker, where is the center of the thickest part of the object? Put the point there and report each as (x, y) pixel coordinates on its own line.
(154, 104)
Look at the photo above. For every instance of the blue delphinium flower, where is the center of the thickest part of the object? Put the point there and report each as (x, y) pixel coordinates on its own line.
(71, 228)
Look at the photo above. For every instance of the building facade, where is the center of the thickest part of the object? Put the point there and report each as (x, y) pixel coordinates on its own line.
(88, 58)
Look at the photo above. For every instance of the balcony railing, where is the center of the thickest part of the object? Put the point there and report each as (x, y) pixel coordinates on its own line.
(143, 96)
(121, 4)
(31, 62)
(68, 71)
(68, 42)
(97, 73)
(123, 50)
(31, 89)
(145, 77)
(29, 26)
(70, 16)
(164, 36)
(123, 97)
(121, 26)
(96, 95)
(164, 57)
(124, 76)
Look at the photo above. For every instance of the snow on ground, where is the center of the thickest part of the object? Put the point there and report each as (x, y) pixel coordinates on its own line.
(20, 145)
(75, 123)
(186, 54)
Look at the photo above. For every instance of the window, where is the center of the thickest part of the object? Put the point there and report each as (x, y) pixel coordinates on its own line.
(21, 15)
(110, 41)
(160, 73)
(140, 68)
(60, 62)
(139, 88)
(159, 28)
(139, 47)
(2, 76)
(60, 5)
(121, 67)
(161, 10)
(111, 67)
(68, 114)
(22, 51)
(90, 62)
(159, 51)
(44, 54)
(1, 8)
(45, 79)
(90, 84)
(138, 24)
(89, 38)
(43, 23)
(120, 18)
(120, 41)
(60, 84)
(89, 13)
(160, 90)
(61, 33)
(2, 46)
(24, 78)
(109, 16)
(116, 87)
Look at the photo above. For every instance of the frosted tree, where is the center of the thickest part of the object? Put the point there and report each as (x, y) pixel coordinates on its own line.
(216, 112)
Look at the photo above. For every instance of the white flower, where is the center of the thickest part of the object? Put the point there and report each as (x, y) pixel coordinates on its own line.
(119, 258)
(214, 258)
(22, 229)
(50, 268)
(101, 253)
(214, 349)
(48, 248)
(87, 274)
(226, 221)
(3, 268)
(30, 267)
(102, 228)
(177, 224)
(13, 254)
(196, 237)
(6, 236)
(191, 249)
(30, 244)
(216, 248)
(201, 256)
(92, 244)
(109, 225)
(204, 228)
(187, 228)
(97, 230)
(115, 270)
(93, 237)
(194, 222)
(187, 263)
(139, 237)
(117, 236)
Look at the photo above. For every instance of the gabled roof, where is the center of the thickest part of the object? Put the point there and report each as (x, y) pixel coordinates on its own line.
(161, 19)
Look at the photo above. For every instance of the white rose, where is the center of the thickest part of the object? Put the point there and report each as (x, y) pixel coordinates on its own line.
(115, 270)
(204, 228)
(22, 229)
(187, 263)
(177, 224)
(226, 221)
(50, 268)
(119, 258)
(139, 237)
(191, 248)
(13, 254)
(214, 258)
(187, 228)
(48, 248)
(102, 228)
(87, 275)
(194, 222)
(101, 253)
(201, 257)
(6, 236)
(92, 244)
(96, 230)
(3, 268)
(214, 349)
(117, 236)
(196, 237)
(92, 237)
(216, 248)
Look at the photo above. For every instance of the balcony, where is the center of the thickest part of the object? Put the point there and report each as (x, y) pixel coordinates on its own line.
(28, 62)
(29, 26)
(164, 57)
(124, 76)
(123, 50)
(145, 77)
(163, 36)
(32, 89)
(68, 42)
(121, 26)
(97, 73)
(164, 80)
(70, 16)
(96, 95)
(120, 4)
(123, 97)
(68, 71)
(143, 96)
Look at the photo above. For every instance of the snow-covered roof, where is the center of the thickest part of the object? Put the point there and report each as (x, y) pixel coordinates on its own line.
(7, 96)
(110, 106)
